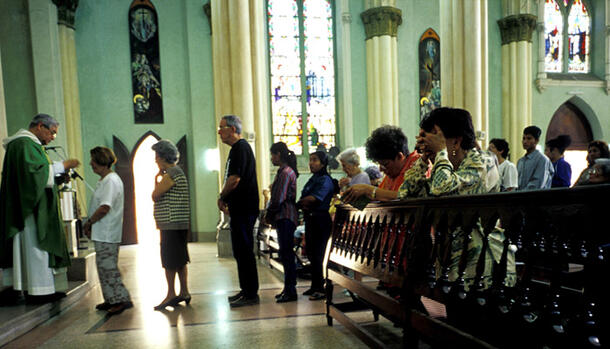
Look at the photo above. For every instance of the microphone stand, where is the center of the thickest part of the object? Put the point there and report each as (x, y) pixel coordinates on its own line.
(74, 173)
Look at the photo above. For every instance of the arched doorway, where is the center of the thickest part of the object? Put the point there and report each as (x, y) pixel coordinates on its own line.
(137, 169)
(568, 119)
(144, 171)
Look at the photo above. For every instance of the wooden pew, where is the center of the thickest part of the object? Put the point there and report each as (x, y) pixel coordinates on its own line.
(553, 232)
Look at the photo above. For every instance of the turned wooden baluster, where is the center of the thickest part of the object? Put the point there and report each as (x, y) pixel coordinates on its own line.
(351, 239)
(447, 236)
(459, 285)
(389, 244)
(379, 257)
(362, 237)
(376, 249)
(370, 245)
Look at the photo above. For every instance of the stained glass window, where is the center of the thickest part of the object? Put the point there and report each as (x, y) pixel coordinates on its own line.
(553, 29)
(306, 25)
(579, 24)
(567, 28)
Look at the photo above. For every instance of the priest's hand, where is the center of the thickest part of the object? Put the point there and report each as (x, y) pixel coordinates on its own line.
(71, 163)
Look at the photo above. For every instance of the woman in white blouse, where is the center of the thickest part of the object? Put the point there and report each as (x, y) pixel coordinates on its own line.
(105, 228)
(509, 179)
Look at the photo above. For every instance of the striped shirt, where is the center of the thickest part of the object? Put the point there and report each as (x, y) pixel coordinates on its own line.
(172, 211)
(283, 196)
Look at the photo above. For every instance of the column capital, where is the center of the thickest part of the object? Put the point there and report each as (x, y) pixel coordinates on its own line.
(380, 21)
(65, 12)
(517, 28)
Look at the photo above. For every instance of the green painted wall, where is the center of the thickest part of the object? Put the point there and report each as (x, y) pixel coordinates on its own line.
(359, 94)
(417, 17)
(17, 65)
(102, 41)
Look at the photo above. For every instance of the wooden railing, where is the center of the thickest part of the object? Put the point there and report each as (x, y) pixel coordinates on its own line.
(559, 238)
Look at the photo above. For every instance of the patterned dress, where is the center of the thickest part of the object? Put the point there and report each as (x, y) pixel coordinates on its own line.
(477, 174)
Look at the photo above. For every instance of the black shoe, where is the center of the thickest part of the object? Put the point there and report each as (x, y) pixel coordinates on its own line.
(309, 292)
(244, 301)
(317, 296)
(286, 298)
(279, 295)
(235, 297)
(103, 306)
(185, 299)
(119, 308)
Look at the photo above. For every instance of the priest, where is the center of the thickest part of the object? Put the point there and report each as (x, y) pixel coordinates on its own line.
(33, 250)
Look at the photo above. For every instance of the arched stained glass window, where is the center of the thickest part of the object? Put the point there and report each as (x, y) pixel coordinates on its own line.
(553, 29)
(567, 28)
(579, 24)
(302, 73)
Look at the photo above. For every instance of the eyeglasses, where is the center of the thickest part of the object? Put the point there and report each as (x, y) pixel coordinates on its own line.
(221, 127)
(53, 132)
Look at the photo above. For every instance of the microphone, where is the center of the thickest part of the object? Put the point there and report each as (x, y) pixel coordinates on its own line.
(52, 147)
(76, 175)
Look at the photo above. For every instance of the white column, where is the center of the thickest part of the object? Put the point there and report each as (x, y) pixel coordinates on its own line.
(464, 60)
(516, 28)
(345, 107)
(71, 99)
(240, 76)
(381, 21)
(46, 61)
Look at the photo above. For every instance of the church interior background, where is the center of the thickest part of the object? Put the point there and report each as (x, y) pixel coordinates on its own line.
(349, 66)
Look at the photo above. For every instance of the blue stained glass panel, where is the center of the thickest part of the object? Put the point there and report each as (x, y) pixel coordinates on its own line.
(579, 27)
(553, 37)
(319, 67)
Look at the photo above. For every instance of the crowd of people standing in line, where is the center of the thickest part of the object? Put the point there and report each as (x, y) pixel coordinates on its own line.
(447, 160)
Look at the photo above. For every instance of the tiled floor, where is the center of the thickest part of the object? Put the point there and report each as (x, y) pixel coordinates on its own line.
(208, 322)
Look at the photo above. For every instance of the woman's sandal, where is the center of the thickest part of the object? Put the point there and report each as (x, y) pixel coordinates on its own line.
(186, 299)
(170, 303)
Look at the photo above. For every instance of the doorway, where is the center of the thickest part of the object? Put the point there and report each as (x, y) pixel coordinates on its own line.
(144, 171)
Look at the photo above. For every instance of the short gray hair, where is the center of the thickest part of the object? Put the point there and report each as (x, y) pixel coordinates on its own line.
(604, 164)
(167, 151)
(47, 120)
(235, 121)
(350, 156)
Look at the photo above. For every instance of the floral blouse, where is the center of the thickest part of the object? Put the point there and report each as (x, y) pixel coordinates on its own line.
(477, 174)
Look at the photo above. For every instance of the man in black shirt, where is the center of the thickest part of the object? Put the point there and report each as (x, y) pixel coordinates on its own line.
(239, 200)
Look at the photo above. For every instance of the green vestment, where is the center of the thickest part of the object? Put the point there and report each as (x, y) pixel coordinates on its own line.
(23, 192)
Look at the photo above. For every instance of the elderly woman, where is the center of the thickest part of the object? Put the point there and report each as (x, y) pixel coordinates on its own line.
(374, 175)
(105, 228)
(447, 139)
(509, 179)
(596, 150)
(172, 214)
(350, 162)
(601, 172)
(315, 202)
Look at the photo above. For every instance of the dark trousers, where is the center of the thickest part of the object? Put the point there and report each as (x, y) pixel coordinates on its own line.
(242, 227)
(285, 236)
(317, 232)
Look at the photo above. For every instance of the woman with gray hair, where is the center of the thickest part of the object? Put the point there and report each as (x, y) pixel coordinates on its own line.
(172, 215)
(350, 162)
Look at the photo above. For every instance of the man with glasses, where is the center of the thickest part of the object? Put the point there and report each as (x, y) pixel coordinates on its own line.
(239, 200)
(33, 248)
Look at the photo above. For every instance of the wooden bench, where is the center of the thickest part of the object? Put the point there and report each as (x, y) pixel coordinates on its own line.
(554, 232)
